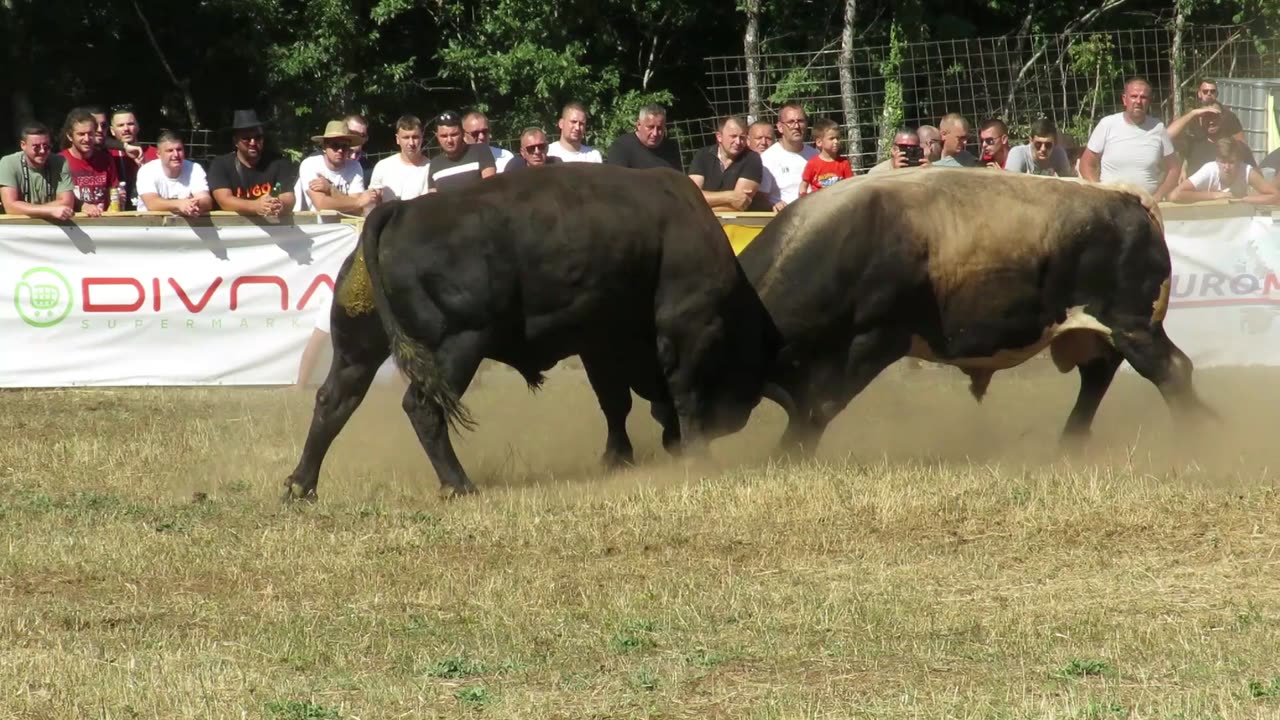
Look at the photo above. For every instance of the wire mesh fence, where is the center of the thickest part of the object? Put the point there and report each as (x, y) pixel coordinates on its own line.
(1073, 78)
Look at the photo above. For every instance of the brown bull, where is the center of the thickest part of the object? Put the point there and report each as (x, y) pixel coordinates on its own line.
(977, 269)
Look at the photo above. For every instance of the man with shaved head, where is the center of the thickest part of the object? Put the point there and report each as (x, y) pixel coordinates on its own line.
(954, 130)
(573, 130)
(931, 141)
(1133, 147)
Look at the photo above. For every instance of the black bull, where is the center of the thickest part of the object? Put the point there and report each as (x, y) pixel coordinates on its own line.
(628, 269)
(977, 269)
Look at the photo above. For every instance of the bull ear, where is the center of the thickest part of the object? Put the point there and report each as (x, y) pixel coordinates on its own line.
(774, 392)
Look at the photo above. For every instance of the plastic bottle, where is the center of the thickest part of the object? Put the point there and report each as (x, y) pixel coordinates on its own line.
(116, 194)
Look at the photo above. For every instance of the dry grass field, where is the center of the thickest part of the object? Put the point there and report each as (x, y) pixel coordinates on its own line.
(938, 560)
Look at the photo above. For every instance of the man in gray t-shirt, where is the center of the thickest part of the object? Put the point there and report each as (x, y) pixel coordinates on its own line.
(1042, 155)
(35, 181)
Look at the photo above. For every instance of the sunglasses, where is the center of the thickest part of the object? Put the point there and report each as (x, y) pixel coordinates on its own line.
(1042, 145)
(338, 145)
(540, 148)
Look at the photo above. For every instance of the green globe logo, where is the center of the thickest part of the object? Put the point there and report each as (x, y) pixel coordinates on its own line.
(43, 297)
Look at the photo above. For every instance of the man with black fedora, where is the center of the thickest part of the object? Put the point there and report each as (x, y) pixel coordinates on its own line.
(248, 179)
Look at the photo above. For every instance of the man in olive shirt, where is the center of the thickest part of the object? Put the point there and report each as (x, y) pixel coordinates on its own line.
(34, 181)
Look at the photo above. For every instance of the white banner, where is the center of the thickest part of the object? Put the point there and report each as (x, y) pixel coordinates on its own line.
(1224, 304)
(149, 305)
(235, 303)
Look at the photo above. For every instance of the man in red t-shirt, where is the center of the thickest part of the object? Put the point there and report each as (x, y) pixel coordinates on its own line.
(827, 167)
(93, 174)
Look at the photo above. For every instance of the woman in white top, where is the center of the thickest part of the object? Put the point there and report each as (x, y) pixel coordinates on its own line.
(1229, 177)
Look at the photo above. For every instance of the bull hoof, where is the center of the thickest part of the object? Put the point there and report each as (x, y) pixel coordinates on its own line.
(454, 492)
(295, 491)
(613, 460)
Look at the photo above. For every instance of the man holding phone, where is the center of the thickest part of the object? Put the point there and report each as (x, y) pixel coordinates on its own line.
(906, 151)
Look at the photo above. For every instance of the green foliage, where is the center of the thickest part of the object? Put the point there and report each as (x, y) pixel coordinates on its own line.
(794, 83)
(890, 69)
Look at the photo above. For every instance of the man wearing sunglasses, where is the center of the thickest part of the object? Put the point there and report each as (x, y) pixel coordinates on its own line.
(246, 179)
(333, 180)
(34, 181)
(533, 151)
(1042, 155)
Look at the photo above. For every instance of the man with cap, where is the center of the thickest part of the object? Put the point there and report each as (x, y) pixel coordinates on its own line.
(248, 179)
(459, 164)
(333, 180)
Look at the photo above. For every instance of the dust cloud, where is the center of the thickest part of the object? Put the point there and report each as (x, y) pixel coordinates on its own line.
(554, 436)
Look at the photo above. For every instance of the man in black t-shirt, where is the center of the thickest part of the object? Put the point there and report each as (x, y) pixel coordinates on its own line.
(728, 172)
(249, 180)
(648, 146)
(459, 164)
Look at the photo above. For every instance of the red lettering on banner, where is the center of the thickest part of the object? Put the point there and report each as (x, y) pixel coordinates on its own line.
(155, 294)
(260, 280)
(321, 279)
(1271, 284)
(90, 306)
(186, 300)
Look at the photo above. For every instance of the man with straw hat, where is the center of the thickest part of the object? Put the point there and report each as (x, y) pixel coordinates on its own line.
(332, 180)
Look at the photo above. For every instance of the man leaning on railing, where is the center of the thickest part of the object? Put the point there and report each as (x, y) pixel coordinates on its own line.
(34, 181)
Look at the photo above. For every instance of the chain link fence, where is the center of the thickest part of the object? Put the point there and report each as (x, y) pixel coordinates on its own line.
(1073, 78)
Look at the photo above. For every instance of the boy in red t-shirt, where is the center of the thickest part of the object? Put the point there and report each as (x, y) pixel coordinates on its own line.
(827, 167)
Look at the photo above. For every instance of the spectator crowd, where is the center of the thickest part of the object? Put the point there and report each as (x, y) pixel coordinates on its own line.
(103, 165)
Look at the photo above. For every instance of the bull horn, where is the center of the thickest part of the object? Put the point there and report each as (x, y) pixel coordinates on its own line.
(774, 392)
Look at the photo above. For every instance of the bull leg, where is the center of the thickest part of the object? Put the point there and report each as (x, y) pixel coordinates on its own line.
(458, 358)
(1150, 351)
(359, 349)
(869, 354)
(1095, 378)
(665, 414)
(614, 395)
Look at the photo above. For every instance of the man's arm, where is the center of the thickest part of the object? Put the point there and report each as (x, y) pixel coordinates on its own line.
(1172, 172)
(1264, 192)
(350, 204)
(1091, 166)
(58, 209)
(1186, 192)
(1177, 126)
(739, 198)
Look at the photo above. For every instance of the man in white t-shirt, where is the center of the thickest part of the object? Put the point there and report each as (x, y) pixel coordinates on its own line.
(785, 159)
(1229, 177)
(1132, 147)
(476, 131)
(332, 180)
(403, 176)
(171, 182)
(573, 128)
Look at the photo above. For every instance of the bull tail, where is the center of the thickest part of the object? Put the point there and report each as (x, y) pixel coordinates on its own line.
(413, 358)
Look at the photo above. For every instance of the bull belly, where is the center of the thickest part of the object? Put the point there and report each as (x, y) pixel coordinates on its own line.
(1074, 341)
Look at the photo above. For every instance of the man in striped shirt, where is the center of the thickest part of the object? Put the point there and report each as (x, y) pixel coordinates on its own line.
(459, 164)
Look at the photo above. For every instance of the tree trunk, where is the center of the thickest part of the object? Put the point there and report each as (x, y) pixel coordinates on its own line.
(184, 85)
(1175, 59)
(751, 49)
(849, 100)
